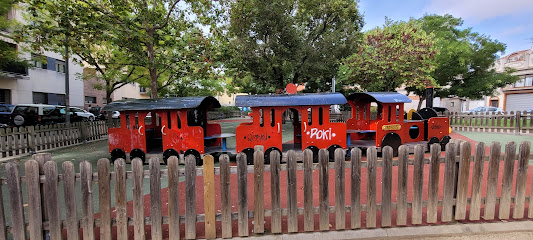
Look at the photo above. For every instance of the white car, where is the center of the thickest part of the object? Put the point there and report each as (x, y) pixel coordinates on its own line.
(86, 116)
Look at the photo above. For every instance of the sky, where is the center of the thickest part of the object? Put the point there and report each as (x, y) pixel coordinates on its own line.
(508, 21)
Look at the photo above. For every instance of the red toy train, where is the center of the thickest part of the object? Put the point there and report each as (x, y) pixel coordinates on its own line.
(176, 126)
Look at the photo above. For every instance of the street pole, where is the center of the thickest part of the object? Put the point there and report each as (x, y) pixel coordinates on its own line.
(67, 83)
(333, 84)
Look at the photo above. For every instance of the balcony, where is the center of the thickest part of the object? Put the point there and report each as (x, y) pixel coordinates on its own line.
(14, 70)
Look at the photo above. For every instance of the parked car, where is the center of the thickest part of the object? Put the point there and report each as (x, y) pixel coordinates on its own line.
(492, 110)
(32, 114)
(98, 113)
(81, 114)
(5, 113)
(115, 114)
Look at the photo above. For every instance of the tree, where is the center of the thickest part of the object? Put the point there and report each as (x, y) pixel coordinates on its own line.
(464, 61)
(161, 38)
(273, 43)
(9, 58)
(398, 54)
(152, 43)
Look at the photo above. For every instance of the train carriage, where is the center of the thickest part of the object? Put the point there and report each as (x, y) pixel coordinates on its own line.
(171, 126)
(308, 113)
(388, 126)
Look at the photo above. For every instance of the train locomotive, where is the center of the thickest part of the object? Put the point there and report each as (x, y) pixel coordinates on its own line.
(179, 126)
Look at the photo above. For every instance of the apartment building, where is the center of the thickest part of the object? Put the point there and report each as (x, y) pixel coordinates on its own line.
(43, 81)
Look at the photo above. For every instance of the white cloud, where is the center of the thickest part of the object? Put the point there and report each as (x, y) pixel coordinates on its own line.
(514, 30)
(479, 10)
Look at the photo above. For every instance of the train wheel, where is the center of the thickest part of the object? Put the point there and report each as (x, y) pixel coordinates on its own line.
(196, 154)
(249, 155)
(432, 141)
(445, 140)
(138, 153)
(331, 151)
(267, 153)
(169, 153)
(393, 140)
(315, 153)
(117, 153)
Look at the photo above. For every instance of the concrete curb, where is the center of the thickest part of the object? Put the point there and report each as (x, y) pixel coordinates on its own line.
(409, 232)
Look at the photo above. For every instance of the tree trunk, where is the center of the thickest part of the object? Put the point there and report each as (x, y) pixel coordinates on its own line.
(153, 83)
(422, 98)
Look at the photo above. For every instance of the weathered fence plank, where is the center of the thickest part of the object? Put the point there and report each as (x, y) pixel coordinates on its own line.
(449, 183)
(259, 192)
(521, 181)
(52, 199)
(121, 202)
(340, 210)
(401, 207)
(15, 201)
(275, 169)
(209, 197)
(308, 191)
(225, 196)
(507, 181)
(190, 197)
(87, 208)
(418, 183)
(35, 214)
(104, 194)
(371, 205)
(477, 182)
(155, 199)
(292, 216)
(323, 191)
(386, 187)
(242, 195)
(492, 180)
(355, 197)
(462, 181)
(138, 201)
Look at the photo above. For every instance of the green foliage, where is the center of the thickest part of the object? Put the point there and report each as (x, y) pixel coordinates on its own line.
(273, 43)
(464, 60)
(9, 59)
(159, 44)
(398, 54)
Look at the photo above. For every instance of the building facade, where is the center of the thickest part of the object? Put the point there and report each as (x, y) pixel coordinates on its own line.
(517, 96)
(43, 82)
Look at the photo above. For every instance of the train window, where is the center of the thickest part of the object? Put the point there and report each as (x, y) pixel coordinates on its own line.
(157, 119)
(148, 119)
(179, 121)
(136, 121)
(397, 113)
(272, 118)
(389, 115)
(169, 120)
(310, 116)
(375, 111)
(320, 116)
(365, 110)
(261, 120)
(127, 120)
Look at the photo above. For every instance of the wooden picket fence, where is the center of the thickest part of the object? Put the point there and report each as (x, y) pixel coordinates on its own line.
(370, 201)
(506, 122)
(18, 141)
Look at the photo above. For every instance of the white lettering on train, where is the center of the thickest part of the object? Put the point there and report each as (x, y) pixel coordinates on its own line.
(321, 134)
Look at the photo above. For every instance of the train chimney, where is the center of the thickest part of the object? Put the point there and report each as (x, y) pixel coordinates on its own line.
(429, 97)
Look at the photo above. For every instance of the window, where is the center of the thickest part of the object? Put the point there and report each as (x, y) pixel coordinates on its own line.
(60, 66)
(5, 96)
(90, 99)
(104, 100)
(142, 89)
(520, 83)
(40, 98)
(452, 104)
(39, 61)
(529, 81)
